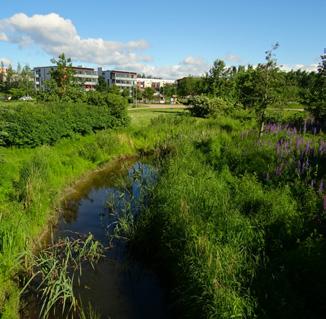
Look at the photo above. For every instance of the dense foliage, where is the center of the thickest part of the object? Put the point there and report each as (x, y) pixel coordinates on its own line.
(265, 85)
(33, 125)
(316, 96)
(236, 225)
(204, 106)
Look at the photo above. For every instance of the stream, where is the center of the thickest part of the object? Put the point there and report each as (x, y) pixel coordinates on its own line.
(120, 286)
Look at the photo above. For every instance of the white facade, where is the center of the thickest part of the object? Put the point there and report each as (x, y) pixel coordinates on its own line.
(122, 79)
(143, 83)
(87, 76)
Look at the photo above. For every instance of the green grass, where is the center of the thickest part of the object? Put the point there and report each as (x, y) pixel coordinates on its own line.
(32, 181)
(143, 117)
(289, 106)
(230, 243)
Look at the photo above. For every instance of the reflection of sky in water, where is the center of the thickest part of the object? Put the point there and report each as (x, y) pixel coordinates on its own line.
(107, 204)
(120, 287)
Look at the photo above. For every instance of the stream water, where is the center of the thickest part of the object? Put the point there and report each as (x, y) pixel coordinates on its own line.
(120, 286)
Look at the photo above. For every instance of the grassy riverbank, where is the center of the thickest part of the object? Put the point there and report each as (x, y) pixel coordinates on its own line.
(31, 183)
(236, 225)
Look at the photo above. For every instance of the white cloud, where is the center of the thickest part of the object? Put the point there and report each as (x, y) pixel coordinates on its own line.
(5, 61)
(302, 67)
(189, 66)
(3, 37)
(55, 35)
(232, 58)
(190, 60)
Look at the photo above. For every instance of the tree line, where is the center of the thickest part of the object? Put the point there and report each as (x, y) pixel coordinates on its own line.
(265, 85)
(247, 87)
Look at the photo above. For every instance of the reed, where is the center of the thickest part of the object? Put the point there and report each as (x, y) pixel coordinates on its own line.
(54, 274)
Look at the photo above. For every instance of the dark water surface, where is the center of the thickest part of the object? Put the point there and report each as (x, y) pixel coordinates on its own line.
(119, 287)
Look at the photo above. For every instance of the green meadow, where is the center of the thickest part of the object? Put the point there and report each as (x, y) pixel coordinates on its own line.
(235, 224)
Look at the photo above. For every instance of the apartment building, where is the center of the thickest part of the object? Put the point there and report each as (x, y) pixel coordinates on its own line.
(154, 83)
(122, 79)
(86, 76)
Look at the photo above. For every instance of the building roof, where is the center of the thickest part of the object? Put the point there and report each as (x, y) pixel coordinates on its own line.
(127, 72)
(73, 67)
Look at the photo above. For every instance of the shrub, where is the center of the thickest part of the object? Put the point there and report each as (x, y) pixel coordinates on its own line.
(34, 125)
(204, 106)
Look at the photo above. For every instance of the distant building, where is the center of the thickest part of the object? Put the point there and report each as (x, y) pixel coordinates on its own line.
(122, 79)
(155, 84)
(87, 76)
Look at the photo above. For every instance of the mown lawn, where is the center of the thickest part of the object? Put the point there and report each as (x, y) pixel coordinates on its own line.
(141, 117)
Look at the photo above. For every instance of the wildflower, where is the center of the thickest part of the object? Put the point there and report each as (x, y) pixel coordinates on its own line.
(314, 130)
(321, 186)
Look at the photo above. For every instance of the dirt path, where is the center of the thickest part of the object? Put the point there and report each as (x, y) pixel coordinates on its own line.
(158, 106)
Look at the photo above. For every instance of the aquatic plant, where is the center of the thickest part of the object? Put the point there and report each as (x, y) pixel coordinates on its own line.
(56, 269)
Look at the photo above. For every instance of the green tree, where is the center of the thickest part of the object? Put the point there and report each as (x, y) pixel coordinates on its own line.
(168, 90)
(138, 93)
(10, 77)
(114, 89)
(26, 81)
(267, 83)
(315, 98)
(190, 86)
(220, 81)
(148, 94)
(259, 87)
(101, 86)
(63, 74)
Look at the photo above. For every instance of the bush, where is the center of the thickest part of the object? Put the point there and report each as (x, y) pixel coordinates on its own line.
(34, 125)
(204, 106)
(290, 118)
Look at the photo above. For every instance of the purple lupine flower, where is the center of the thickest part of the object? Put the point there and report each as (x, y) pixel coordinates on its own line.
(278, 170)
(321, 148)
(298, 142)
(278, 148)
(307, 164)
(307, 147)
(299, 166)
(321, 186)
(314, 130)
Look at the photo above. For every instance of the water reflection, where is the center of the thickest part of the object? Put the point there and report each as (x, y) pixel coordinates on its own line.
(119, 287)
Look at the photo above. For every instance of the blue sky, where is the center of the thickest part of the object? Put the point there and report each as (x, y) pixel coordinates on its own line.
(169, 38)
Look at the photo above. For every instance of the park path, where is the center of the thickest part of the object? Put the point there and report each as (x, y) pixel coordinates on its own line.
(158, 106)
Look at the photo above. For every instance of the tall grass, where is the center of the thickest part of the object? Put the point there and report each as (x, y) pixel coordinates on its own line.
(31, 183)
(231, 240)
(54, 272)
(231, 243)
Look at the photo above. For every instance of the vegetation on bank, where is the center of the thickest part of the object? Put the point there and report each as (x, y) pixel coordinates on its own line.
(31, 125)
(236, 224)
(237, 220)
(31, 183)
